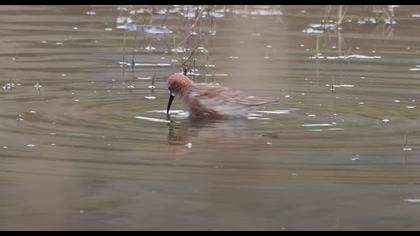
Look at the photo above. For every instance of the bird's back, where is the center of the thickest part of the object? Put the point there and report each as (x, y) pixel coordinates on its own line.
(217, 101)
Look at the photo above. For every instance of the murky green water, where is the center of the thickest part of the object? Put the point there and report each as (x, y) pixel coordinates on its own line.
(340, 151)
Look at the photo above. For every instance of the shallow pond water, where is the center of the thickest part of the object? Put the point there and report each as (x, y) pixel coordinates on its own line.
(84, 142)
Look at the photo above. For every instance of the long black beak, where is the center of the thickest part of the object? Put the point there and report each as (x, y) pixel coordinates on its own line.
(171, 99)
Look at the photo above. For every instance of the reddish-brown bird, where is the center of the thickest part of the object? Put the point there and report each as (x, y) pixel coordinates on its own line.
(211, 101)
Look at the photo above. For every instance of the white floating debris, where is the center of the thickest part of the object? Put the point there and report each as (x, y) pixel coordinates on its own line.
(316, 125)
(43, 41)
(90, 13)
(108, 29)
(150, 97)
(233, 57)
(268, 143)
(151, 64)
(407, 149)
(37, 85)
(416, 15)
(188, 145)
(355, 158)
(312, 31)
(385, 120)
(76, 100)
(311, 115)
(59, 43)
(75, 28)
(32, 112)
(412, 200)
(31, 145)
(9, 86)
(53, 144)
(268, 46)
(294, 174)
(397, 101)
(152, 119)
(346, 57)
(411, 107)
(273, 112)
(216, 75)
(150, 48)
(151, 87)
(361, 103)
(5, 147)
(144, 78)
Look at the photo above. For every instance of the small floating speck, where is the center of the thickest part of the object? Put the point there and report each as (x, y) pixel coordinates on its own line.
(63, 75)
(411, 107)
(75, 28)
(311, 115)
(407, 149)
(53, 144)
(188, 145)
(5, 147)
(151, 87)
(44, 41)
(32, 112)
(385, 120)
(266, 57)
(31, 145)
(108, 29)
(76, 100)
(82, 212)
(268, 46)
(59, 43)
(150, 97)
(268, 143)
(294, 174)
(287, 96)
(397, 101)
(233, 57)
(361, 103)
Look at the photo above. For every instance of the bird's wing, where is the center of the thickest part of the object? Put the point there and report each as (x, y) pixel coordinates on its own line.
(225, 101)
